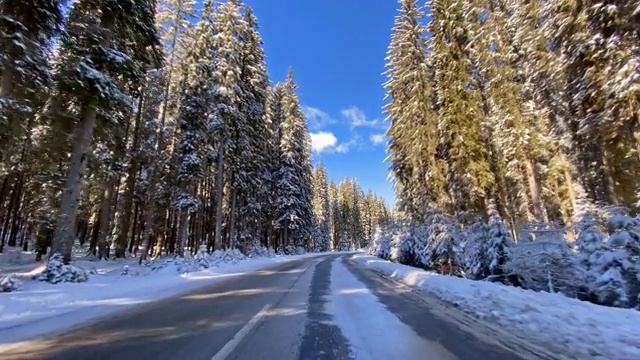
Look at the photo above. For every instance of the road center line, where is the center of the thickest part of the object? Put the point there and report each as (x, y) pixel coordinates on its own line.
(233, 343)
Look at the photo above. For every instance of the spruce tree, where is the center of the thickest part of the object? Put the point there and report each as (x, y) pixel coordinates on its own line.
(413, 131)
(227, 96)
(172, 23)
(469, 179)
(294, 197)
(252, 159)
(105, 48)
(321, 209)
(26, 30)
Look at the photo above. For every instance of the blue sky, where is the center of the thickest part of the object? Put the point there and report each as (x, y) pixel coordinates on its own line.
(336, 49)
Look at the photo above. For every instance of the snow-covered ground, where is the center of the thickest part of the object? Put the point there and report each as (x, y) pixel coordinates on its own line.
(13, 260)
(40, 308)
(585, 330)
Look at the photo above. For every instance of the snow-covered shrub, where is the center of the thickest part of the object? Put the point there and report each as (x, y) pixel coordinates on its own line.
(344, 243)
(134, 271)
(290, 249)
(300, 250)
(498, 244)
(546, 266)
(614, 266)
(156, 264)
(407, 246)
(475, 237)
(201, 257)
(232, 256)
(625, 233)
(56, 271)
(381, 243)
(612, 276)
(9, 284)
(442, 251)
(256, 251)
(589, 239)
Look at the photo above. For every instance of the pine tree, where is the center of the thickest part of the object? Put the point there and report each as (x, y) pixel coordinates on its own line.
(254, 192)
(321, 207)
(96, 62)
(571, 40)
(172, 23)
(227, 97)
(275, 119)
(469, 179)
(413, 131)
(337, 217)
(294, 198)
(26, 29)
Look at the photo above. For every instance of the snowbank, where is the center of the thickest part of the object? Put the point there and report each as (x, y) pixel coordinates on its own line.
(14, 260)
(40, 308)
(585, 330)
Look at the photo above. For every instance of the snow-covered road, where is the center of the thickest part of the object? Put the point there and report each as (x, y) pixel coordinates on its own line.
(577, 329)
(318, 307)
(374, 332)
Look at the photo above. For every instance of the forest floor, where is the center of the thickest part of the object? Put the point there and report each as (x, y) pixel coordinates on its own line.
(15, 261)
(561, 324)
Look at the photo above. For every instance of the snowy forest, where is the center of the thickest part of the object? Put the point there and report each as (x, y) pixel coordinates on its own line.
(148, 128)
(514, 144)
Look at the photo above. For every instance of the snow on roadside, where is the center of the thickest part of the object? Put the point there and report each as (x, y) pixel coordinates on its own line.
(14, 260)
(585, 330)
(40, 308)
(373, 331)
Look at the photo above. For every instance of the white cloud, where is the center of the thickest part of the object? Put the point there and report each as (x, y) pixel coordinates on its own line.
(326, 142)
(377, 139)
(357, 117)
(342, 148)
(346, 146)
(317, 118)
(323, 141)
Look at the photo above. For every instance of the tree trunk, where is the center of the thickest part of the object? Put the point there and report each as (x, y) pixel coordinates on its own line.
(534, 190)
(572, 194)
(219, 198)
(183, 227)
(285, 235)
(15, 223)
(105, 219)
(6, 82)
(130, 185)
(63, 236)
(149, 214)
(14, 203)
(134, 240)
(232, 220)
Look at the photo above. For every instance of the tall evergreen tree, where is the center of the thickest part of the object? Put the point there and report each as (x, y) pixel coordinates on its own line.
(321, 207)
(104, 51)
(26, 31)
(294, 198)
(253, 157)
(469, 179)
(411, 109)
(194, 136)
(227, 98)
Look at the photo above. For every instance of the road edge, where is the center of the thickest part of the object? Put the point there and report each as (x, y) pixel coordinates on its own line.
(467, 321)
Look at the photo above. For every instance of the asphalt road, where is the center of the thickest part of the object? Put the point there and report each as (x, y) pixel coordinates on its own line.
(282, 313)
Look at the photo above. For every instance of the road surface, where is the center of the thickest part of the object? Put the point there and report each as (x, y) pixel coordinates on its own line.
(323, 307)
